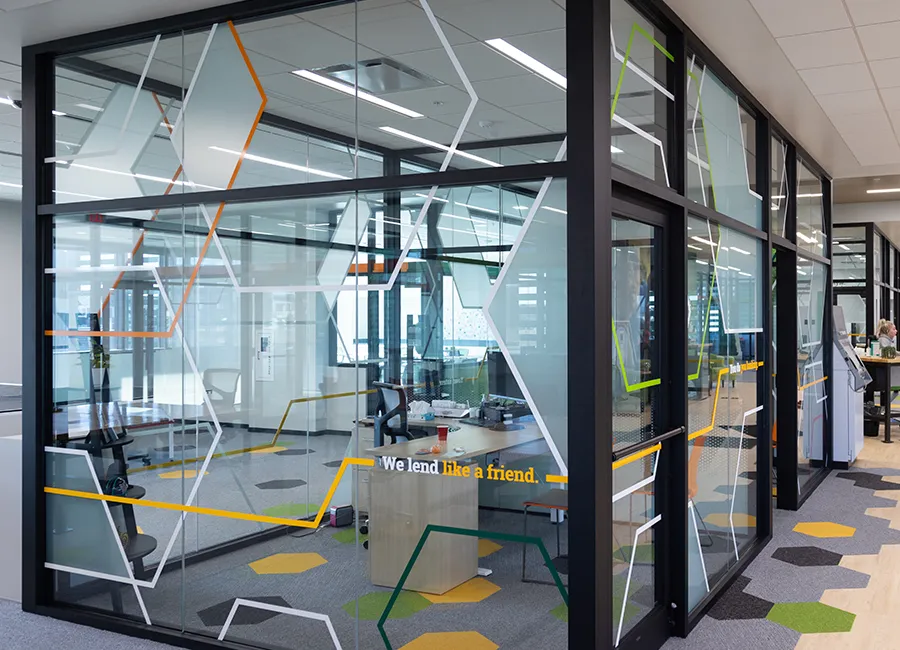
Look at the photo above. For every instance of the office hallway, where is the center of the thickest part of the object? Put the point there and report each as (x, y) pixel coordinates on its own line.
(830, 577)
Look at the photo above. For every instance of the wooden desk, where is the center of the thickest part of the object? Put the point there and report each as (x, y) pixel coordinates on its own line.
(881, 370)
(402, 504)
(476, 440)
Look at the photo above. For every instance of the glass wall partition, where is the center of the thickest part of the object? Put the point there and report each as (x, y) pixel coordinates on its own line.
(725, 327)
(241, 373)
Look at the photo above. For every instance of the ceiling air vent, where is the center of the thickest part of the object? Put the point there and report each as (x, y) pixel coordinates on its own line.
(380, 76)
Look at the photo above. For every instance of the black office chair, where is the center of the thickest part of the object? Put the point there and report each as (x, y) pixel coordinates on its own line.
(391, 415)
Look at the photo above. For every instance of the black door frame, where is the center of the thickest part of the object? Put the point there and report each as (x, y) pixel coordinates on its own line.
(670, 418)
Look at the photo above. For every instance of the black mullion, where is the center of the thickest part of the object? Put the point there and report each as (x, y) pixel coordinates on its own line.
(828, 326)
(870, 277)
(38, 94)
(395, 181)
(786, 380)
(764, 503)
(589, 309)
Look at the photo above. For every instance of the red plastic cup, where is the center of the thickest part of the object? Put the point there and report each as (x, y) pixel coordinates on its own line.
(442, 434)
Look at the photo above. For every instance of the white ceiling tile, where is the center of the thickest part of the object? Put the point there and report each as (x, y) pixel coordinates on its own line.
(520, 90)
(870, 12)
(849, 125)
(866, 101)
(500, 18)
(551, 115)
(886, 72)
(801, 16)
(838, 78)
(477, 60)
(880, 41)
(823, 49)
(891, 97)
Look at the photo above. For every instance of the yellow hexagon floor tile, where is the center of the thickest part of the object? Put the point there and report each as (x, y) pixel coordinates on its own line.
(722, 520)
(486, 547)
(824, 529)
(471, 591)
(188, 473)
(282, 563)
(269, 450)
(451, 641)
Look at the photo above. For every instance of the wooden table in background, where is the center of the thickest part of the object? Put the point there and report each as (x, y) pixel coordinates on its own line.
(881, 370)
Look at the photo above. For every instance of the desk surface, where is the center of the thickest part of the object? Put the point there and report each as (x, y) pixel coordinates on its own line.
(84, 418)
(867, 359)
(477, 441)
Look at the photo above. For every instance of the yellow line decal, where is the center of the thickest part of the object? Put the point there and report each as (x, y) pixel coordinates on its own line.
(227, 514)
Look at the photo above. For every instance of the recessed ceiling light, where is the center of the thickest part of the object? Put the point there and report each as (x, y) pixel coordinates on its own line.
(889, 190)
(347, 89)
(528, 61)
(437, 145)
(281, 163)
(90, 107)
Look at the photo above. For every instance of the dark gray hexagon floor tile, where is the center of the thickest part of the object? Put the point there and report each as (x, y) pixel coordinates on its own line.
(216, 615)
(734, 604)
(295, 452)
(281, 484)
(807, 556)
(869, 481)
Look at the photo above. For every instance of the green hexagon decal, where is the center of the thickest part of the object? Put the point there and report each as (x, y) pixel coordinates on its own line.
(811, 618)
(375, 605)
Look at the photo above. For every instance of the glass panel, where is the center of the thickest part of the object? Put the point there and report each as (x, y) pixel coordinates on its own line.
(877, 250)
(811, 373)
(724, 326)
(810, 213)
(779, 207)
(636, 388)
(721, 141)
(235, 356)
(854, 307)
(849, 261)
(641, 97)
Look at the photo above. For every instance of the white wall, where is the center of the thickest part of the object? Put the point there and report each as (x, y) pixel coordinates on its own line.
(11, 291)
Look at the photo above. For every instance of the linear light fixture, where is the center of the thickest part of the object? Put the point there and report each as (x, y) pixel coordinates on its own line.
(887, 190)
(282, 164)
(13, 185)
(547, 207)
(809, 196)
(145, 177)
(353, 91)
(433, 198)
(90, 107)
(528, 61)
(437, 145)
(614, 149)
(746, 275)
(7, 101)
(59, 113)
(696, 248)
(702, 241)
(808, 240)
(844, 246)
(739, 250)
(702, 262)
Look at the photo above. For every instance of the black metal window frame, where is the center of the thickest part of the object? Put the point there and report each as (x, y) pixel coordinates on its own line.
(592, 182)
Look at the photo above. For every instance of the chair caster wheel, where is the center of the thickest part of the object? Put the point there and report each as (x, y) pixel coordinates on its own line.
(366, 545)
(363, 530)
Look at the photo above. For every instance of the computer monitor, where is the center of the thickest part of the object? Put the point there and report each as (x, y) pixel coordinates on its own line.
(501, 382)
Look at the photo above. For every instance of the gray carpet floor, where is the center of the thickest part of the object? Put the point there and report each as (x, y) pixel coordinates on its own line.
(22, 631)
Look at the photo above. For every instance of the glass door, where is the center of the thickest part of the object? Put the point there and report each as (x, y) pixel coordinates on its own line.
(640, 432)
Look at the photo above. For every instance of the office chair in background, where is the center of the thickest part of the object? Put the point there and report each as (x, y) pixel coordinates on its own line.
(391, 415)
(221, 387)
